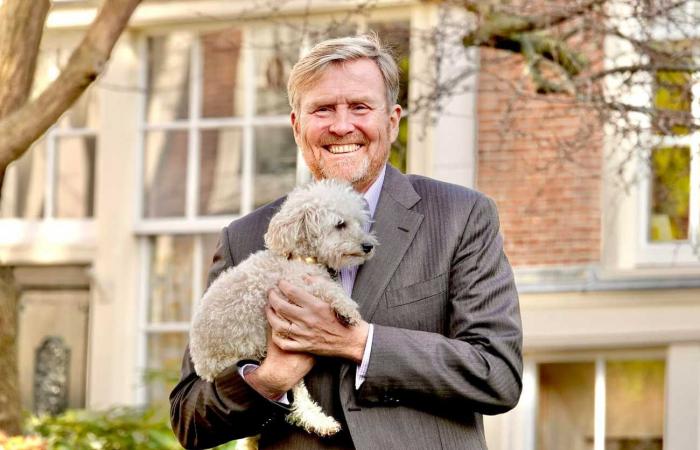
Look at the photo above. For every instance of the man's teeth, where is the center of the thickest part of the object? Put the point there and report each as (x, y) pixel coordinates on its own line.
(343, 148)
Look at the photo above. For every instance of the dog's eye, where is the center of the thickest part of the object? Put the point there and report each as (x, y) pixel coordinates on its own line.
(340, 225)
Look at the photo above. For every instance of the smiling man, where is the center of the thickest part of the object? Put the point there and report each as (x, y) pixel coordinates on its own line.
(344, 122)
(440, 343)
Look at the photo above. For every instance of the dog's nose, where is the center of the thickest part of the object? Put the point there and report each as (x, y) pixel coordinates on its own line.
(367, 247)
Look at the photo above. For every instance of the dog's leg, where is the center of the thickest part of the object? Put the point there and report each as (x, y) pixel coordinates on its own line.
(334, 294)
(307, 414)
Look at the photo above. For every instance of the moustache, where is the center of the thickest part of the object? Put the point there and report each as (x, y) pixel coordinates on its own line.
(354, 138)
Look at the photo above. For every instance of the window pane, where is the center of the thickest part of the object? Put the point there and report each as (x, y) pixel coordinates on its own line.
(221, 158)
(165, 174)
(670, 194)
(23, 189)
(275, 164)
(168, 77)
(84, 112)
(672, 100)
(634, 405)
(75, 177)
(565, 416)
(397, 36)
(209, 242)
(170, 281)
(164, 353)
(276, 49)
(222, 73)
(672, 88)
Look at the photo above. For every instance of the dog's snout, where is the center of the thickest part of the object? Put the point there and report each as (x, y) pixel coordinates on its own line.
(367, 247)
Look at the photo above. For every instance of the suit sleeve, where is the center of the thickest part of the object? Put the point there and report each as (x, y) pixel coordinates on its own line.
(478, 366)
(204, 414)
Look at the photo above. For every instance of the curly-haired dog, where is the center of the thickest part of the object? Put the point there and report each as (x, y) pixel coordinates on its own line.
(320, 227)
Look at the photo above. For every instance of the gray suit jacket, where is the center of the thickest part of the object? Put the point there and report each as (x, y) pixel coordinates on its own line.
(447, 334)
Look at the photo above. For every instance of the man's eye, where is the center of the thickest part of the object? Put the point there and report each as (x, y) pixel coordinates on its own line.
(360, 107)
(340, 225)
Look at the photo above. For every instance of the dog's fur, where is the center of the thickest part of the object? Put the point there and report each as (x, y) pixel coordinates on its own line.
(323, 220)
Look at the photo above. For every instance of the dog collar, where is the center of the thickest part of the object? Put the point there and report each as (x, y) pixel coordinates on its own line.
(305, 259)
(312, 260)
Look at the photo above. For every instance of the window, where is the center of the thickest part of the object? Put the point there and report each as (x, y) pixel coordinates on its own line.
(216, 144)
(670, 161)
(55, 179)
(175, 269)
(606, 404)
(670, 198)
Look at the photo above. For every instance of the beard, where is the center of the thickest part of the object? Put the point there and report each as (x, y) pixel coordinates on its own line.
(349, 171)
(360, 172)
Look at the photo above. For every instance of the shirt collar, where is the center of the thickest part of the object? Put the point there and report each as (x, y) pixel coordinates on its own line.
(371, 196)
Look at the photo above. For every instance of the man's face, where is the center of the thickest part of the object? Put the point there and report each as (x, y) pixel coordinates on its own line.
(343, 125)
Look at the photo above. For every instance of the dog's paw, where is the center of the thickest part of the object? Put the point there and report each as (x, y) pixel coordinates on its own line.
(348, 317)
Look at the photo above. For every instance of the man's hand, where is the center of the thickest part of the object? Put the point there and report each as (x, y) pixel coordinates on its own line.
(301, 322)
(279, 371)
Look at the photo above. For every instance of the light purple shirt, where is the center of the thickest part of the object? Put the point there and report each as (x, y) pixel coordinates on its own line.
(347, 275)
(347, 279)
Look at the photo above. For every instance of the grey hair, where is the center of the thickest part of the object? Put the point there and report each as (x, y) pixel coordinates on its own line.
(337, 51)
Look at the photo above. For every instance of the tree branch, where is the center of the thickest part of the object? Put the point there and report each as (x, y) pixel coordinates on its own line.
(25, 125)
(21, 26)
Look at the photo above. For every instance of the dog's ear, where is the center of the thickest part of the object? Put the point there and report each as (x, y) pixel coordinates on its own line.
(311, 223)
(284, 231)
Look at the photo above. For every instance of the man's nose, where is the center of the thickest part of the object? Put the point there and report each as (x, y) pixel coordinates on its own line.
(342, 124)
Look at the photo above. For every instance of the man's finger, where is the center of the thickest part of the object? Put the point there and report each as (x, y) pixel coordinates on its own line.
(282, 307)
(277, 324)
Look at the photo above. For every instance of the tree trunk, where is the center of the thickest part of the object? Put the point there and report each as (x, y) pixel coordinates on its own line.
(10, 406)
(21, 26)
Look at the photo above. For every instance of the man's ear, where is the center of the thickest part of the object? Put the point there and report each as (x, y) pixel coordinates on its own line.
(295, 126)
(394, 120)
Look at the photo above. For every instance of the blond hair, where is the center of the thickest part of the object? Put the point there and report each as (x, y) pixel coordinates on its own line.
(337, 51)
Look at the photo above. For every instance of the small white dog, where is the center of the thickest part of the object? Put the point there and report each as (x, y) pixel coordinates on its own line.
(319, 227)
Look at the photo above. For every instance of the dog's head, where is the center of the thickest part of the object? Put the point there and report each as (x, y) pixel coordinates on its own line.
(323, 220)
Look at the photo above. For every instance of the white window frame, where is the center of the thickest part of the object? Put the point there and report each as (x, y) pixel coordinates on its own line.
(634, 228)
(49, 229)
(686, 251)
(191, 222)
(529, 401)
(674, 252)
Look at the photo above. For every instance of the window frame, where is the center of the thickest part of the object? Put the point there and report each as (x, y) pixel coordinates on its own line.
(17, 233)
(529, 402)
(48, 229)
(194, 124)
(685, 252)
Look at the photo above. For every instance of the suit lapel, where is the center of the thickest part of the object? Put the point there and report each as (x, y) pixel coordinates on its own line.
(395, 226)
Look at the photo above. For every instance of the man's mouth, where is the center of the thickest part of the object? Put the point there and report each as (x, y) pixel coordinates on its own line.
(345, 148)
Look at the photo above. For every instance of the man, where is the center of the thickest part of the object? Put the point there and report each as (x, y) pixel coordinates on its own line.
(440, 343)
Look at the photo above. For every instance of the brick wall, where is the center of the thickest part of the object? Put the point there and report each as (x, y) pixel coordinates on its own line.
(540, 159)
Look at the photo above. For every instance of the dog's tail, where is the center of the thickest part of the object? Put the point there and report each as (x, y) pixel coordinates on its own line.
(307, 414)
